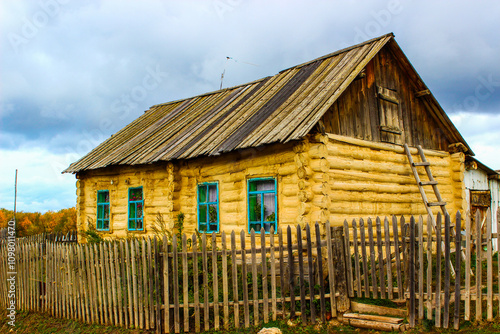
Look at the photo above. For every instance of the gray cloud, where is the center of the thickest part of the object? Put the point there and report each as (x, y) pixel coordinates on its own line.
(74, 72)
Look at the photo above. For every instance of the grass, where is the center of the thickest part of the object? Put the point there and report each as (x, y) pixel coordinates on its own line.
(31, 322)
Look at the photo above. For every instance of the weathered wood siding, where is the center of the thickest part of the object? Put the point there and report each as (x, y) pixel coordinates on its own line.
(380, 103)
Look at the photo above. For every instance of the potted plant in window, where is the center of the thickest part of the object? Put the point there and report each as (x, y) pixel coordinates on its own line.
(269, 220)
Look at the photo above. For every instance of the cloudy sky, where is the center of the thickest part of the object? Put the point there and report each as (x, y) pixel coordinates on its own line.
(73, 72)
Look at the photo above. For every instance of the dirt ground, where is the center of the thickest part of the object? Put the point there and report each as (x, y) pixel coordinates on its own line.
(31, 323)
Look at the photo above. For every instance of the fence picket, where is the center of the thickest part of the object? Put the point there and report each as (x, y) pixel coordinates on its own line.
(350, 279)
(467, 266)
(273, 274)
(234, 267)
(246, 310)
(196, 286)
(175, 279)
(446, 313)
(282, 272)
(225, 289)
(320, 270)
(479, 278)
(458, 252)
(429, 267)
(411, 271)
(381, 270)
(356, 258)
(331, 270)
(255, 290)
(265, 295)
(387, 237)
(185, 284)
(489, 266)
(397, 256)
(438, 270)
(310, 274)
(373, 265)
(291, 272)
(166, 286)
(302, 284)
(364, 258)
(420, 267)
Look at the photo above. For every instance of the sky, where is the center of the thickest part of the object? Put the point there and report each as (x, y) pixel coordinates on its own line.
(74, 72)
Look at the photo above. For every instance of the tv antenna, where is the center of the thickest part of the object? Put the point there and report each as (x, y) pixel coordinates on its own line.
(224, 71)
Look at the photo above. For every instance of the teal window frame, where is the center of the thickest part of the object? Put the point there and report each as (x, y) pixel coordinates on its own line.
(103, 211)
(135, 204)
(263, 222)
(204, 206)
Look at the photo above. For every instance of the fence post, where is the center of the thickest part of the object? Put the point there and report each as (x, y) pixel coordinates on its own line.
(339, 258)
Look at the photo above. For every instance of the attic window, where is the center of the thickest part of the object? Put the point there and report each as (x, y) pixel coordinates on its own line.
(208, 208)
(102, 210)
(262, 201)
(135, 209)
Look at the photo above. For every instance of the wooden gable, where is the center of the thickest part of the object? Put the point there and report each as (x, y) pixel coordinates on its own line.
(386, 104)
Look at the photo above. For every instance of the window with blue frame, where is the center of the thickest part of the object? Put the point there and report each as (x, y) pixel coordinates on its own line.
(262, 208)
(208, 208)
(102, 210)
(135, 209)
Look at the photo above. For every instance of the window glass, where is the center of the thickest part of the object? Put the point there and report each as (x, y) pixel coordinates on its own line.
(135, 209)
(208, 208)
(262, 204)
(102, 222)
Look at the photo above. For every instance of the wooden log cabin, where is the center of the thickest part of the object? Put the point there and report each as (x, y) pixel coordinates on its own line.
(319, 141)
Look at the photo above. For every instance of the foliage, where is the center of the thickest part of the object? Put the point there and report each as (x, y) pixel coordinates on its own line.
(91, 233)
(31, 223)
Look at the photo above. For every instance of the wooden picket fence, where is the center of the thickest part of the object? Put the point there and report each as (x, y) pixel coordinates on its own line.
(395, 260)
(187, 284)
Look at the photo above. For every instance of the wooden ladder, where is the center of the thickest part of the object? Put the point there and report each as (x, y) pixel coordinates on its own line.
(424, 163)
(432, 182)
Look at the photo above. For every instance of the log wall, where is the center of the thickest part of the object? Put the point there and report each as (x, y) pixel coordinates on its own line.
(321, 178)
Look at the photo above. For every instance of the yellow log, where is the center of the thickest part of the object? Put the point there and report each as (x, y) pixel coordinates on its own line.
(320, 165)
(304, 196)
(303, 184)
(304, 172)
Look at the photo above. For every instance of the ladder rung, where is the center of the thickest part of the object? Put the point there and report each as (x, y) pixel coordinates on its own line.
(426, 163)
(436, 204)
(428, 183)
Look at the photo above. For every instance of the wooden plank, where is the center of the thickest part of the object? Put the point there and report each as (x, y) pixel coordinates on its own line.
(381, 310)
(381, 270)
(282, 272)
(479, 277)
(380, 326)
(468, 260)
(320, 269)
(185, 284)
(107, 268)
(373, 317)
(429, 267)
(140, 283)
(411, 271)
(373, 265)
(175, 285)
(244, 283)
(234, 267)
(225, 288)
(364, 258)
(291, 272)
(255, 288)
(420, 267)
(265, 294)
(438, 270)
(89, 261)
(100, 281)
(166, 285)
(119, 283)
(145, 284)
(387, 237)
(79, 262)
(113, 272)
(489, 266)
(350, 279)
(196, 285)
(274, 309)
(302, 283)
(157, 285)
(356, 258)
(311, 274)
(446, 315)
(458, 250)
(152, 291)
(206, 310)
(397, 256)
(129, 245)
(215, 282)
(331, 270)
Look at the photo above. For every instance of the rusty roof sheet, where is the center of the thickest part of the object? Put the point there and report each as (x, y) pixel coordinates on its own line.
(279, 108)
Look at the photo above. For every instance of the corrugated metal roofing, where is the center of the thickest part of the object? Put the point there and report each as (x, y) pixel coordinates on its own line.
(280, 108)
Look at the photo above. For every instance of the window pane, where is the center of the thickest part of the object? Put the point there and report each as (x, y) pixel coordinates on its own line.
(254, 207)
(139, 210)
(103, 197)
(135, 194)
(202, 194)
(202, 227)
(106, 211)
(131, 224)
(100, 212)
(131, 210)
(256, 227)
(262, 185)
(139, 224)
(105, 225)
(203, 214)
(269, 207)
(212, 193)
(212, 213)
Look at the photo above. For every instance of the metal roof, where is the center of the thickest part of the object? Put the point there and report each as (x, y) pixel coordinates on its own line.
(279, 108)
